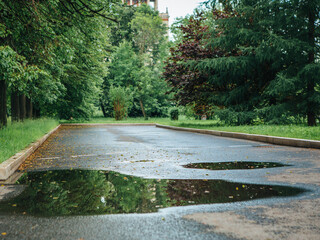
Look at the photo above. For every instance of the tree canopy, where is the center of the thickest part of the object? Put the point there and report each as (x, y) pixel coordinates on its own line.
(60, 57)
(136, 64)
(240, 60)
(264, 62)
(54, 55)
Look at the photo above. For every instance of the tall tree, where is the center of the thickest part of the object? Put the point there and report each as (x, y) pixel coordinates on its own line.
(271, 63)
(149, 32)
(122, 31)
(128, 70)
(11, 71)
(189, 85)
(65, 41)
(137, 62)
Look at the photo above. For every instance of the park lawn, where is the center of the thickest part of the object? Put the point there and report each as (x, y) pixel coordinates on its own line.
(15, 137)
(291, 131)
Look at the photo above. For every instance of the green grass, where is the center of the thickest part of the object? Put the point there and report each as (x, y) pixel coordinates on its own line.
(17, 136)
(292, 131)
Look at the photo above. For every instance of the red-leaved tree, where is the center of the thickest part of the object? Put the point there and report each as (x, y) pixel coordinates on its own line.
(189, 85)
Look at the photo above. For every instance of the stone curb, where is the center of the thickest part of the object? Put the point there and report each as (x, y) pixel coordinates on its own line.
(8, 167)
(108, 124)
(293, 142)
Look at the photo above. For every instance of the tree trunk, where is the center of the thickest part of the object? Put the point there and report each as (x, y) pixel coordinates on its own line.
(15, 107)
(3, 103)
(35, 111)
(103, 109)
(142, 109)
(22, 104)
(311, 118)
(311, 83)
(29, 108)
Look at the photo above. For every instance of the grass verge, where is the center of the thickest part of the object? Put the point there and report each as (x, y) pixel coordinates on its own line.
(17, 136)
(290, 131)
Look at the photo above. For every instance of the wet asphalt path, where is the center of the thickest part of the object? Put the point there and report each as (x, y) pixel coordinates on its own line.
(149, 152)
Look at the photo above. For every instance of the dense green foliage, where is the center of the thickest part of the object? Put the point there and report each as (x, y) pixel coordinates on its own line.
(54, 53)
(136, 64)
(242, 60)
(16, 137)
(55, 57)
(260, 60)
(174, 114)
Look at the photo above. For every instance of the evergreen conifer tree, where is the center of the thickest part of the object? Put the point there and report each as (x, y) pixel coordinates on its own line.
(271, 65)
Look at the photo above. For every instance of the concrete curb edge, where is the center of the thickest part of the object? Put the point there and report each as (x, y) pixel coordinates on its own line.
(8, 167)
(293, 142)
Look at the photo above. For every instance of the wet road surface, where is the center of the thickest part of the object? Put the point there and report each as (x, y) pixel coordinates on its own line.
(154, 153)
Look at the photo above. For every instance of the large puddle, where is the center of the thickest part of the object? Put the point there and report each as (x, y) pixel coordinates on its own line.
(84, 192)
(234, 165)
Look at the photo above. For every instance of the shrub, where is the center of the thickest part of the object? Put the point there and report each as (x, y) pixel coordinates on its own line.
(231, 117)
(174, 114)
(121, 100)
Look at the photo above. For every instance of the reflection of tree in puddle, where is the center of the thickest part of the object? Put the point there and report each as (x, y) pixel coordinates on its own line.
(234, 165)
(187, 192)
(64, 193)
(82, 192)
(137, 195)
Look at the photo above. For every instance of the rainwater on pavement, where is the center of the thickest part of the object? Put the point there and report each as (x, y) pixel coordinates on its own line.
(130, 182)
(89, 192)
